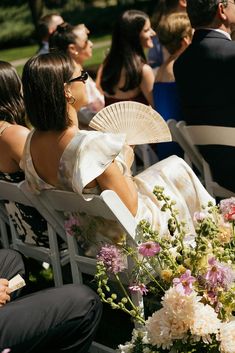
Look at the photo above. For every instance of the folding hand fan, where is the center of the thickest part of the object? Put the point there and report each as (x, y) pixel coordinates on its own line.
(139, 122)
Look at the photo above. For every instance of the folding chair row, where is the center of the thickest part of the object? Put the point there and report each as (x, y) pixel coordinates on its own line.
(53, 205)
(189, 137)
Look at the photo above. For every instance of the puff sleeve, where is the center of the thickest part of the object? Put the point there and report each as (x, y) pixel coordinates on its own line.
(95, 153)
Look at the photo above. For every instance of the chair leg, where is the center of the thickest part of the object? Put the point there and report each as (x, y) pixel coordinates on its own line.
(73, 250)
(55, 257)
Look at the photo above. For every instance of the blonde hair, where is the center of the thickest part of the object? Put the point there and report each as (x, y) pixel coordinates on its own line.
(172, 29)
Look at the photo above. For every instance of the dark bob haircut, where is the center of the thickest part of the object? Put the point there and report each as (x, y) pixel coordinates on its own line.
(43, 80)
(11, 100)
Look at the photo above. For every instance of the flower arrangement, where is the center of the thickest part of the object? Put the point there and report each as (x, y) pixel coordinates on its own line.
(190, 276)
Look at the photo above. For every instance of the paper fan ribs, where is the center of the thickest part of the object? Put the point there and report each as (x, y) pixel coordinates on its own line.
(139, 122)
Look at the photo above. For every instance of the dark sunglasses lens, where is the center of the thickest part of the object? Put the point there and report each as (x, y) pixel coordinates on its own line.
(84, 76)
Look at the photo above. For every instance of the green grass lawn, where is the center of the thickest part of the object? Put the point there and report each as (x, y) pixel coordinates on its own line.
(18, 53)
(26, 52)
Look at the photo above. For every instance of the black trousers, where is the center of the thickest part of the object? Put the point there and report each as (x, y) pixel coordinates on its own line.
(50, 321)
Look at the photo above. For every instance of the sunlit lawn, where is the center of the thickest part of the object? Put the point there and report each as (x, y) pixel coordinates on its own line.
(26, 52)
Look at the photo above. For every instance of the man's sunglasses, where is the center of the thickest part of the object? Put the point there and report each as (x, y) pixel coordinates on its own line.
(83, 77)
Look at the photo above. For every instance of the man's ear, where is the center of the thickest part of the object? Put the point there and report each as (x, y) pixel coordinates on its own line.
(221, 13)
(183, 3)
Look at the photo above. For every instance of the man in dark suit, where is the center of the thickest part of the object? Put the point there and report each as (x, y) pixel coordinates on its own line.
(205, 76)
(62, 319)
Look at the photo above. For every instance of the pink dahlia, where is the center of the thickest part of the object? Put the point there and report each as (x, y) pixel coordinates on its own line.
(141, 288)
(150, 248)
(219, 274)
(184, 284)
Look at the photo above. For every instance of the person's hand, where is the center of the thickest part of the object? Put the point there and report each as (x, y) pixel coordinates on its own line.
(128, 155)
(4, 291)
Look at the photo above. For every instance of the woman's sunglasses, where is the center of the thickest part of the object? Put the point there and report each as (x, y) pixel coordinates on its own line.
(82, 78)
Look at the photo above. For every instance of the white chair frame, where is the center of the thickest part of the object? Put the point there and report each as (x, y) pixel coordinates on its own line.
(14, 192)
(107, 205)
(190, 136)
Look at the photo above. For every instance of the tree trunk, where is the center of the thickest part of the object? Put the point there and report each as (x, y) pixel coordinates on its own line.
(36, 7)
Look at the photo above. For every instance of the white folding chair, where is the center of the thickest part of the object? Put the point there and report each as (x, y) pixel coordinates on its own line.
(191, 155)
(107, 205)
(13, 192)
(196, 135)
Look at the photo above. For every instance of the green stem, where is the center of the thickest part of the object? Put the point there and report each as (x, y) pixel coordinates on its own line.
(128, 298)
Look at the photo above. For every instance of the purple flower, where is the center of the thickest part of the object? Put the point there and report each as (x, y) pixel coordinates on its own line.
(72, 225)
(112, 258)
(141, 288)
(6, 350)
(150, 248)
(218, 274)
(184, 284)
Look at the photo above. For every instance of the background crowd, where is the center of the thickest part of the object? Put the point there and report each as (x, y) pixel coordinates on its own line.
(187, 74)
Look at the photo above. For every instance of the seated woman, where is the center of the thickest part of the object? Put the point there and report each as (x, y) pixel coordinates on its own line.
(88, 162)
(13, 133)
(74, 41)
(175, 34)
(125, 75)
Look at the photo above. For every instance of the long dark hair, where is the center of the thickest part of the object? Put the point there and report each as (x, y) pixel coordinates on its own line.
(125, 53)
(11, 100)
(43, 80)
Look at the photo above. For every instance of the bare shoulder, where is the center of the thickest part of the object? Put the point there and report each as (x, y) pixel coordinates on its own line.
(147, 70)
(15, 133)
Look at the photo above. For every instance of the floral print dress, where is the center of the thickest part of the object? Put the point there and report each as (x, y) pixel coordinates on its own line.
(30, 225)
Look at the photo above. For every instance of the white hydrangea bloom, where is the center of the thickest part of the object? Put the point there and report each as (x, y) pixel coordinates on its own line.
(227, 337)
(205, 322)
(125, 348)
(159, 329)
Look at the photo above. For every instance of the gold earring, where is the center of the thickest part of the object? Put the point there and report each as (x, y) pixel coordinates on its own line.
(71, 100)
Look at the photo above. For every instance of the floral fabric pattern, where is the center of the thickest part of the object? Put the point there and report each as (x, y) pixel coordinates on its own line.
(30, 225)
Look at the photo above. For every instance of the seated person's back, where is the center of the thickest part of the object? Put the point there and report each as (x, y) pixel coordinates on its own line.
(30, 226)
(93, 161)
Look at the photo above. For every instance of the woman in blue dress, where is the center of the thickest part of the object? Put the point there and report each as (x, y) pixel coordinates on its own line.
(175, 34)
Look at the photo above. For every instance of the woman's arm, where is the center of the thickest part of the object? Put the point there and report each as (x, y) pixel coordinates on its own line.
(147, 82)
(113, 179)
